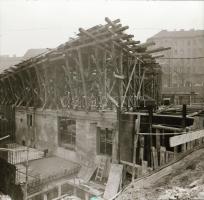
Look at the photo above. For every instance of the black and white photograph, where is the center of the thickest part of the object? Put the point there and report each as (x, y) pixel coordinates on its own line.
(101, 100)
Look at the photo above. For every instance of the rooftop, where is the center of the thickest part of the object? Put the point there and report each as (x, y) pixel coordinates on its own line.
(179, 34)
(58, 167)
(7, 61)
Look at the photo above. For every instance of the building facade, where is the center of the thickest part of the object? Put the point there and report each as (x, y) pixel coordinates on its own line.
(183, 64)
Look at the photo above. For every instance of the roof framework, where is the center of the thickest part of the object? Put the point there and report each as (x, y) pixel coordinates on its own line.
(101, 68)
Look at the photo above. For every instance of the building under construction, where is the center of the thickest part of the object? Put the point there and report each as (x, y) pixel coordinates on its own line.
(83, 118)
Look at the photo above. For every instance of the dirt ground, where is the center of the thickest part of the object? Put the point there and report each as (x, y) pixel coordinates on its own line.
(183, 180)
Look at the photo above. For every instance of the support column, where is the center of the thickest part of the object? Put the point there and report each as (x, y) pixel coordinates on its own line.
(45, 196)
(150, 137)
(184, 124)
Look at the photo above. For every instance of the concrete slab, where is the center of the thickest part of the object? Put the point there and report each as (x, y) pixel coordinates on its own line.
(48, 167)
(51, 165)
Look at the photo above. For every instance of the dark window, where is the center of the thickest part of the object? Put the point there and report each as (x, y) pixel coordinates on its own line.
(29, 120)
(67, 132)
(105, 141)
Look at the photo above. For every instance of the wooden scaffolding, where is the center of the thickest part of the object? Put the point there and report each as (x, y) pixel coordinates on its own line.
(100, 68)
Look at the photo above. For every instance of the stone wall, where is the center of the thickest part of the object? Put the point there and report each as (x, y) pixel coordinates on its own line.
(44, 132)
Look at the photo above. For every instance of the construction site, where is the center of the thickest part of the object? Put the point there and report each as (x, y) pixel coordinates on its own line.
(86, 121)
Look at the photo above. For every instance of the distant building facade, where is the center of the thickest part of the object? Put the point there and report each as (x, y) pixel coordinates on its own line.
(183, 64)
(7, 61)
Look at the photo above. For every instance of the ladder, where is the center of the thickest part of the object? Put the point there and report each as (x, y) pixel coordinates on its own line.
(100, 169)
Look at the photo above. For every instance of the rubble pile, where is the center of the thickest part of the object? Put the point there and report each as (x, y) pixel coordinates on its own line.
(185, 181)
(183, 193)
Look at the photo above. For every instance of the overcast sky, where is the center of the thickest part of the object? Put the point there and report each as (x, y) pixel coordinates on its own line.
(28, 24)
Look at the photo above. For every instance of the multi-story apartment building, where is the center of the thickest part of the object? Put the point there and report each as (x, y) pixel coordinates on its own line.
(183, 64)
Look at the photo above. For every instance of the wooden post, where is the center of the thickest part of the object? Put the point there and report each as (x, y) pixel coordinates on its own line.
(56, 106)
(59, 190)
(144, 167)
(154, 158)
(117, 135)
(184, 124)
(150, 136)
(162, 156)
(141, 156)
(41, 96)
(68, 74)
(118, 132)
(137, 130)
(81, 68)
(45, 196)
(26, 180)
(158, 144)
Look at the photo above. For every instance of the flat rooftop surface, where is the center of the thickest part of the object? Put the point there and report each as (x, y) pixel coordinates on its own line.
(51, 165)
(48, 167)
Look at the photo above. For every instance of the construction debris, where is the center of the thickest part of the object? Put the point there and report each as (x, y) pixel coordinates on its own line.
(182, 180)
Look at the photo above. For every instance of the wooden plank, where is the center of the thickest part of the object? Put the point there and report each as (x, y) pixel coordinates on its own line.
(158, 126)
(188, 137)
(114, 181)
(154, 158)
(129, 164)
(86, 172)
